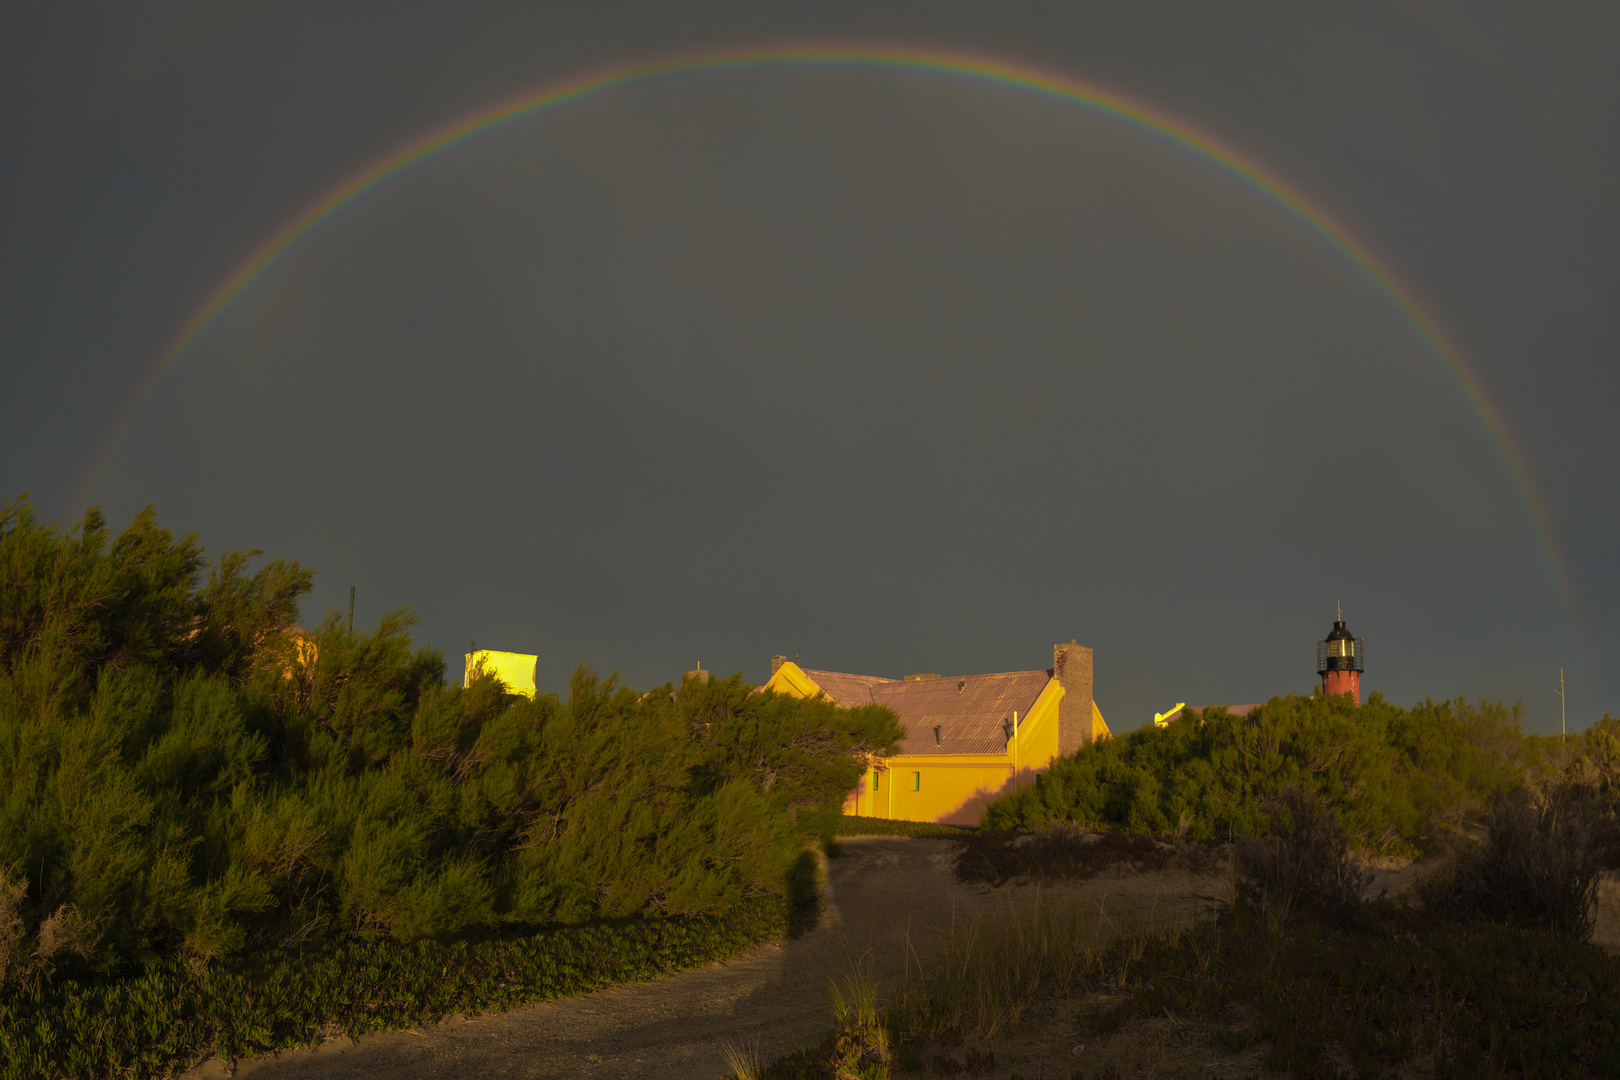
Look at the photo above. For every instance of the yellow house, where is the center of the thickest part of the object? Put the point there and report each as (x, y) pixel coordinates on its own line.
(516, 670)
(969, 738)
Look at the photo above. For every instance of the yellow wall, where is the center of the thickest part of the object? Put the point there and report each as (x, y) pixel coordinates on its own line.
(791, 679)
(516, 670)
(951, 788)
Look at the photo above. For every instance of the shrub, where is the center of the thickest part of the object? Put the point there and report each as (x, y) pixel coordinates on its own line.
(1395, 775)
(1539, 865)
(182, 773)
(1303, 866)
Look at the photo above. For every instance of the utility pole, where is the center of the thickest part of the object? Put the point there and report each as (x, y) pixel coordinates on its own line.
(351, 609)
(1563, 732)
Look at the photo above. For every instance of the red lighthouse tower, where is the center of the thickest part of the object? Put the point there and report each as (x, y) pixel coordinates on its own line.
(1338, 661)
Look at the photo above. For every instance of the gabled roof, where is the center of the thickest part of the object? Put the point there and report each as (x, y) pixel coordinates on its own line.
(973, 712)
(848, 690)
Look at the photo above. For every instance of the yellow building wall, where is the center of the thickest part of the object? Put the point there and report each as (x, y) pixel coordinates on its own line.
(952, 789)
(516, 670)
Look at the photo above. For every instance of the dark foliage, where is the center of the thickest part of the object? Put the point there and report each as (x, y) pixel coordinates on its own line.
(1398, 777)
(1402, 988)
(1539, 864)
(1303, 865)
(996, 856)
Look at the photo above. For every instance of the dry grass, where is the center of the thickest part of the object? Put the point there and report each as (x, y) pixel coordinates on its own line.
(743, 1059)
(987, 969)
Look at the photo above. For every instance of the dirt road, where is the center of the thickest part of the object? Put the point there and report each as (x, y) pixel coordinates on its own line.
(883, 889)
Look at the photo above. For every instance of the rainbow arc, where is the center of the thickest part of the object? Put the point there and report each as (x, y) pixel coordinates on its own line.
(986, 73)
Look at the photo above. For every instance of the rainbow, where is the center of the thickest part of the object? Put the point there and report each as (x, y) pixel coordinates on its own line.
(987, 73)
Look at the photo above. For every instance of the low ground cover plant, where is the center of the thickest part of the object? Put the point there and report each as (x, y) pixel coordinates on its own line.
(170, 1015)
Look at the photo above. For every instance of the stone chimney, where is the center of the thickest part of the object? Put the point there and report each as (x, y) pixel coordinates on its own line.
(696, 673)
(1071, 667)
(776, 663)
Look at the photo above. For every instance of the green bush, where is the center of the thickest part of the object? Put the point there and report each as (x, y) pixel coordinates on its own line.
(172, 1014)
(1396, 777)
(184, 774)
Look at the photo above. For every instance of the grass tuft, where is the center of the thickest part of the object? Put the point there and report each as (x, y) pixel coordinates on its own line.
(742, 1058)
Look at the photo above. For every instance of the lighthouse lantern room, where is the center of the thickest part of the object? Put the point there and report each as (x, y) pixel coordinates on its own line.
(1338, 661)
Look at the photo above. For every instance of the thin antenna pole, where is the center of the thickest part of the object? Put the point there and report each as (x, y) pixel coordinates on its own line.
(1563, 730)
(351, 609)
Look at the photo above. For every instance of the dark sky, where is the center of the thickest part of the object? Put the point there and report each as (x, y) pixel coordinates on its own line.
(896, 373)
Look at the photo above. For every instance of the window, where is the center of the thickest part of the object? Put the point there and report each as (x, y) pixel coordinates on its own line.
(916, 781)
(874, 780)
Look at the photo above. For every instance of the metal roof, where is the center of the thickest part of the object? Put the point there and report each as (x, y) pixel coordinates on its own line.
(847, 690)
(973, 712)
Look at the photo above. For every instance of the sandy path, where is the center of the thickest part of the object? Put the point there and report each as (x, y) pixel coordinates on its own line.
(882, 890)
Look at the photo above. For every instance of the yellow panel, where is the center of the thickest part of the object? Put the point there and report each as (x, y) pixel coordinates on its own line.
(1099, 726)
(1038, 732)
(516, 670)
(952, 789)
(791, 679)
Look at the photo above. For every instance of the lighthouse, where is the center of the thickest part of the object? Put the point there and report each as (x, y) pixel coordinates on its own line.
(1338, 661)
